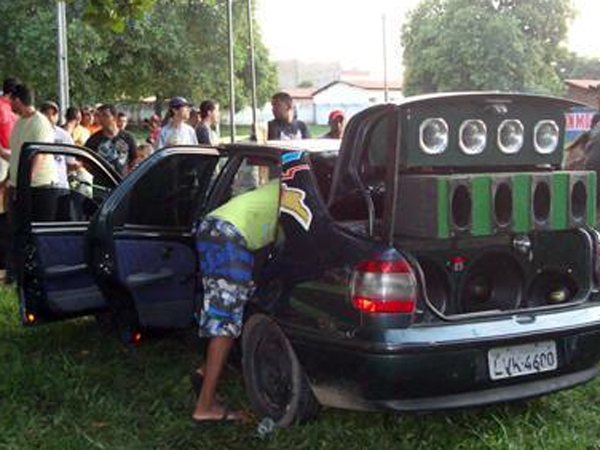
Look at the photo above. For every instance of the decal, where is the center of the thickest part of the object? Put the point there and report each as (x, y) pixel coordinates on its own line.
(292, 203)
(291, 157)
(290, 173)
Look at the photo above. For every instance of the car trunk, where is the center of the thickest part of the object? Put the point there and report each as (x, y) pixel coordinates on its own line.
(469, 276)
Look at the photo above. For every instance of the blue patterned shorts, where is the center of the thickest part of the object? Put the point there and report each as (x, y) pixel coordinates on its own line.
(226, 266)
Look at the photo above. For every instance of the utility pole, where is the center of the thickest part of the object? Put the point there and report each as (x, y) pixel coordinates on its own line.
(385, 74)
(63, 62)
(252, 70)
(231, 71)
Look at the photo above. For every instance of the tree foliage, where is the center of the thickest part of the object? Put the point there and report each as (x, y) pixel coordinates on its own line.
(165, 48)
(511, 45)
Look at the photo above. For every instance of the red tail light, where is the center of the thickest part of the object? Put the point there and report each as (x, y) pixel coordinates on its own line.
(384, 286)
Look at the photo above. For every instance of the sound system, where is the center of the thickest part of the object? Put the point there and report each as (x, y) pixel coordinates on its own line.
(453, 205)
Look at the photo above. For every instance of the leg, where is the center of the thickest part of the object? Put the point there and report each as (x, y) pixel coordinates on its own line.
(207, 406)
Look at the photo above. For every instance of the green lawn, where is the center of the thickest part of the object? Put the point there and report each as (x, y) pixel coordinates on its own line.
(68, 386)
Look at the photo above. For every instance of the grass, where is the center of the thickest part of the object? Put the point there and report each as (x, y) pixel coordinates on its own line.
(68, 386)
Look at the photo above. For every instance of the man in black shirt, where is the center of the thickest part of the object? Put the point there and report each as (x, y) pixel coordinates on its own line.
(114, 145)
(284, 126)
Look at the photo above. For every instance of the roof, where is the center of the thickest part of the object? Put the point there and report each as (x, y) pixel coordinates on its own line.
(584, 83)
(308, 145)
(364, 84)
(301, 93)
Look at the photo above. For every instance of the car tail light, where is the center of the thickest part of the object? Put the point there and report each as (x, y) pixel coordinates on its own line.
(384, 286)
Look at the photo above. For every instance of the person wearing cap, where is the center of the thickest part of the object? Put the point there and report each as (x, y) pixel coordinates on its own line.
(336, 122)
(285, 126)
(176, 131)
(114, 145)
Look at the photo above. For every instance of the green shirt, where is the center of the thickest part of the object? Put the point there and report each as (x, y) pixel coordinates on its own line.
(254, 214)
(36, 128)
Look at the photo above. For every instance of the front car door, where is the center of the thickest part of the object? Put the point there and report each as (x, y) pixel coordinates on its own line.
(59, 189)
(145, 251)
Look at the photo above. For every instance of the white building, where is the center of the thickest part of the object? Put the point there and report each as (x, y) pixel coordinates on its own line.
(314, 105)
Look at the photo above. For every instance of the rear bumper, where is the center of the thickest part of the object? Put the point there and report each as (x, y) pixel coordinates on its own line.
(443, 367)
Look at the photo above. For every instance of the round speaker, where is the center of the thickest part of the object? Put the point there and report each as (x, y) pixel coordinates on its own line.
(551, 287)
(541, 202)
(461, 207)
(437, 285)
(578, 200)
(503, 204)
(493, 281)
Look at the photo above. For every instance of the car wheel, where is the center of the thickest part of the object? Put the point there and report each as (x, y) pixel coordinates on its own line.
(275, 382)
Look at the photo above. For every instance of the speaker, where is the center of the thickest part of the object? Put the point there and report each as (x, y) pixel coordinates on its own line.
(502, 198)
(460, 202)
(582, 199)
(543, 197)
(443, 206)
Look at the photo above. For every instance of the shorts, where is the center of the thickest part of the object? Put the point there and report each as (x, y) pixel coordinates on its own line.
(226, 266)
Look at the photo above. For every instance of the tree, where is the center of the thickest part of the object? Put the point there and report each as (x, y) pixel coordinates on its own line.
(452, 45)
(572, 65)
(172, 47)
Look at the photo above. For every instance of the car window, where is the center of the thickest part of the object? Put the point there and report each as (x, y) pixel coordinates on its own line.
(66, 188)
(252, 173)
(169, 194)
(323, 164)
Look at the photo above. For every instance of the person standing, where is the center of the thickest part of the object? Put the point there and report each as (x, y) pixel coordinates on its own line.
(284, 126)
(7, 122)
(33, 126)
(336, 122)
(115, 146)
(209, 118)
(176, 131)
(51, 111)
(122, 120)
(73, 126)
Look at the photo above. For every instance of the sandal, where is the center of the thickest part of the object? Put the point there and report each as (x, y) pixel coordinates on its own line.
(229, 417)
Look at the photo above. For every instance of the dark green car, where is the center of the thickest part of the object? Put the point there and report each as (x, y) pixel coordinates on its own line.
(440, 258)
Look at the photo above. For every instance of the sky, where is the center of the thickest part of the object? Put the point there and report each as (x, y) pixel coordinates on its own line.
(350, 31)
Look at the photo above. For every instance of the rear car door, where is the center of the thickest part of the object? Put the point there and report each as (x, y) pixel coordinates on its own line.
(144, 255)
(59, 189)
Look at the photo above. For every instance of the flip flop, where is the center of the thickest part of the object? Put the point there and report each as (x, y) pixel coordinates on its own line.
(226, 419)
(196, 380)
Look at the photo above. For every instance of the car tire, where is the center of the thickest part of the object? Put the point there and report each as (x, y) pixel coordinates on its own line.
(274, 379)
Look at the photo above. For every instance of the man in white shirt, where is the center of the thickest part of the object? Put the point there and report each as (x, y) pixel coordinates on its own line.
(177, 131)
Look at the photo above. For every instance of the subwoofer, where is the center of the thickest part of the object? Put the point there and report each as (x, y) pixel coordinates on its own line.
(493, 281)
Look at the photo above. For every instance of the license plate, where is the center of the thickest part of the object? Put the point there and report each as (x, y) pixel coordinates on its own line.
(520, 360)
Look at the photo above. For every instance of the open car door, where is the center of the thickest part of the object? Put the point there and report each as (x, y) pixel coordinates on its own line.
(144, 251)
(59, 189)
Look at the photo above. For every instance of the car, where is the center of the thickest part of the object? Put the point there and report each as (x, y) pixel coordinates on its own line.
(440, 258)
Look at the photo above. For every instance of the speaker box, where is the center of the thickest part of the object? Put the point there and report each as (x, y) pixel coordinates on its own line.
(442, 206)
